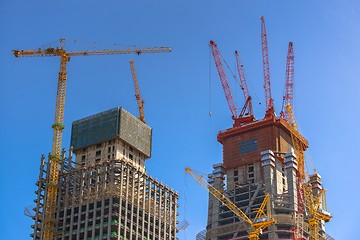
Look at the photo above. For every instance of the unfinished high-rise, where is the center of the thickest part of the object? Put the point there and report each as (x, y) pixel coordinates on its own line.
(258, 159)
(104, 191)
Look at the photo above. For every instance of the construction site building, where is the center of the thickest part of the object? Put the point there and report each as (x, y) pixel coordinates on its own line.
(258, 158)
(104, 190)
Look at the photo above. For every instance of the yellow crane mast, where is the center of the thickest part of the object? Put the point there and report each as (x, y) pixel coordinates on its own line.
(313, 203)
(140, 101)
(261, 221)
(298, 146)
(58, 126)
(315, 211)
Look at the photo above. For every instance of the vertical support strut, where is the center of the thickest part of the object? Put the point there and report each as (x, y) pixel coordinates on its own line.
(55, 157)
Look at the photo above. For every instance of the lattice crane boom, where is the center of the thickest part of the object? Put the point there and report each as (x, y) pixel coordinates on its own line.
(53, 52)
(262, 220)
(139, 100)
(289, 82)
(58, 126)
(224, 82)
(266, 68)
(244, 88)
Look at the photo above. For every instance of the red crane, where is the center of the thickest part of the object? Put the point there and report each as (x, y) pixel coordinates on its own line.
(265, 60)
(289, 83)
(246, 114)
(223, 78)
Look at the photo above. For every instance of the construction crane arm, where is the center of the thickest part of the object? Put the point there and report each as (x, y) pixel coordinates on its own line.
(243, 84)
(224, 82)
(244, 87)
(219, 196)
(266, 68)
(289, 81)
(50, 52)
(139, 100)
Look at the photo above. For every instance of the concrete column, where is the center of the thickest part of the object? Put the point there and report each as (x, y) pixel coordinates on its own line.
(291, 168)
(216, 178)
(269, 169)
(268, 164)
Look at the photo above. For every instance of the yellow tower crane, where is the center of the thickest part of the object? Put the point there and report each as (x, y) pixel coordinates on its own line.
(313, 203)
(58, 126)
(315, 211)
(261, 221)
(299, 147)
(139, 100)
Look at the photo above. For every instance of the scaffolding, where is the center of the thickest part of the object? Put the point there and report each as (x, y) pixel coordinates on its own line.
(109, 200)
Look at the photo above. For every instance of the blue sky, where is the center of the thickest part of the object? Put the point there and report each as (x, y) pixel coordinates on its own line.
(180, 88)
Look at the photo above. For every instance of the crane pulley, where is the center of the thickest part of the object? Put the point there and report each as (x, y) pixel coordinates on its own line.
(58, 126)
(262, 219)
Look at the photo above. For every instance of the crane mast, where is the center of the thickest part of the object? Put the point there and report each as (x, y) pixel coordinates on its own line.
(58, 126)
(315, 211)
(140, 101)
(224, 82)
(262, 219)
(289, 83)
(244, 88)
(266, 68)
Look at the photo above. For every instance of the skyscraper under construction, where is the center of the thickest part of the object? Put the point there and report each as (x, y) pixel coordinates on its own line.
(258, 159)
(104, 191)
(263, 168)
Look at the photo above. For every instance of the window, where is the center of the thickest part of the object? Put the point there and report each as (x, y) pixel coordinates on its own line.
(131, 149)
(131, 156)
(251, 175)
(98, 153)
(99, 145)
(248, 146)
(109, 149)
(235, 172)
(83, 158)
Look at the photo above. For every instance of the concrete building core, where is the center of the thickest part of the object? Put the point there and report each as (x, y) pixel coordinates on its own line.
(258, 158)
(104, 190)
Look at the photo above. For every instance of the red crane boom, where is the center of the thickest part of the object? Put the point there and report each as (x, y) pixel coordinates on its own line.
(265, 60)
(289, 82)
(244, 88)
(223, 78)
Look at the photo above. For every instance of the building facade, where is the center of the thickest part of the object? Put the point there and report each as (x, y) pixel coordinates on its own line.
(258, 159)
(104, 190)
